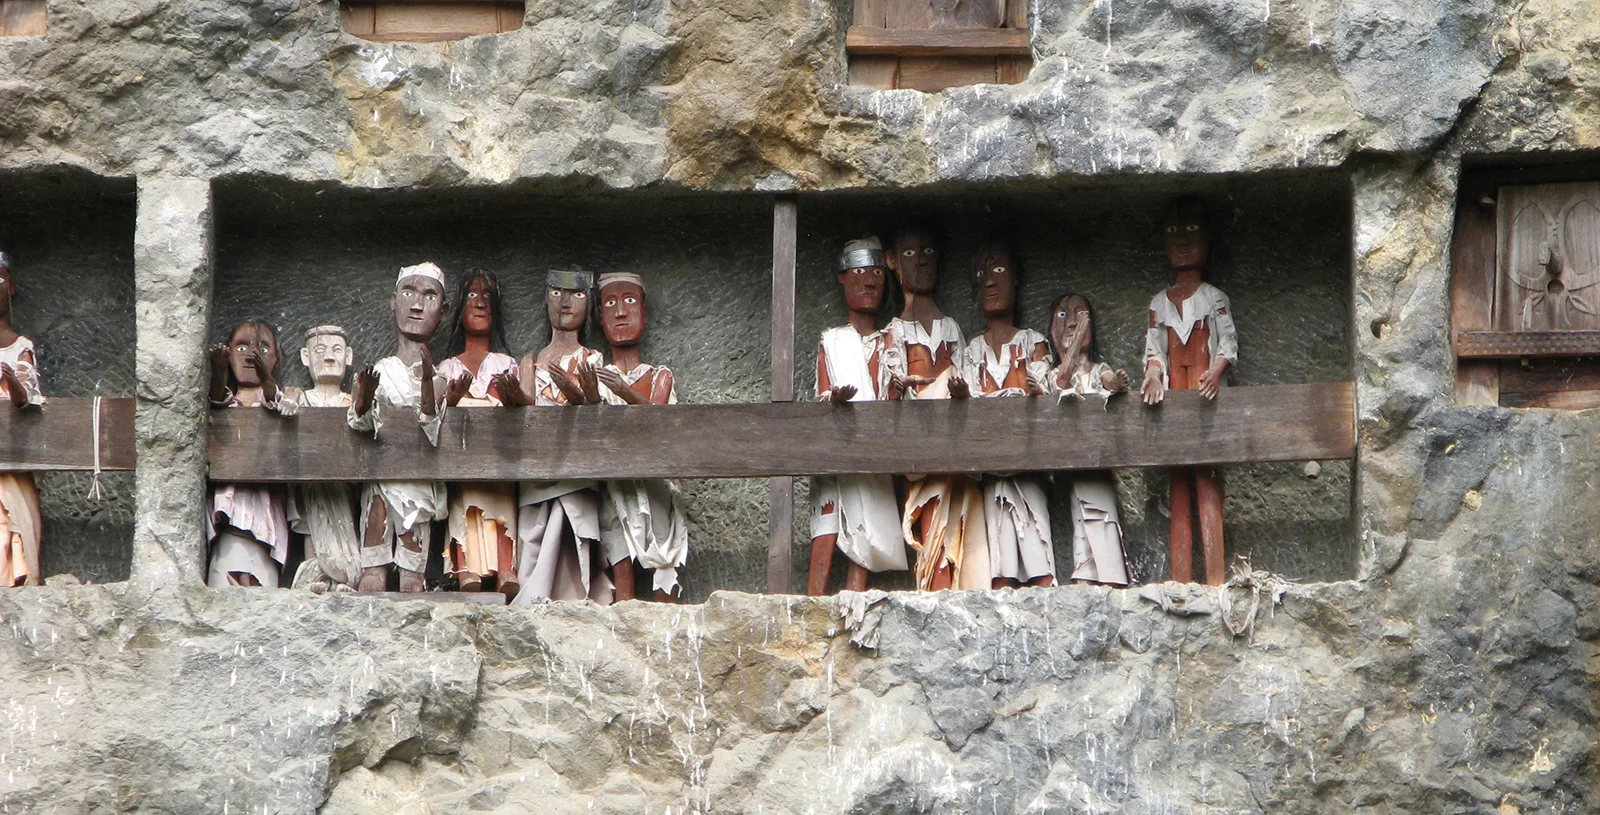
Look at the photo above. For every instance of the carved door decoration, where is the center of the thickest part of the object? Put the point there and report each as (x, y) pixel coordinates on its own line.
(1549, 241)
(930, 45)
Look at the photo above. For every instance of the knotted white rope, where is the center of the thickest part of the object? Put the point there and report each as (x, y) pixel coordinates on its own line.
(96, 492)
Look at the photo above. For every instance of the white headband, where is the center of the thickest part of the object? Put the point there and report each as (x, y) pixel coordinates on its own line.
(621, 277)
(424, 269)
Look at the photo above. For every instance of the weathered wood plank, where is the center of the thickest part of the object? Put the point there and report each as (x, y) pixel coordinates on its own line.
(59, 436)
(1570, 384)
(357, 18)
(1013, 70)
(870, 13)
(1472, 287)
(22, 18)
(780, 534)
(934, 74)
(1517, 344)
(980, 42)
(1017, 14)
(1270, 423)
(926, 14)
(882, 73)
(785, 240)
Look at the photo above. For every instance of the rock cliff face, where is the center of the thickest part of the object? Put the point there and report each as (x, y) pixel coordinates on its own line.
(1455, 675)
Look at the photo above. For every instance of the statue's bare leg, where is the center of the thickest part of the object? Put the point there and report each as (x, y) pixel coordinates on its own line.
(622, 580)
(410, 580)
(508, 566)
(375, 578)
(821, 563)
(855, 578)
(1208, 493)
(1181, 543)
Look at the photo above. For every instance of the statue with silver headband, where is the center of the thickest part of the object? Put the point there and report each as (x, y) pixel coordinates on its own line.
(247, 524)
(483, 516)
(641, 523)
(857, 514)
(20, 519)
(321, 512)
(558, 522)
(396, 516)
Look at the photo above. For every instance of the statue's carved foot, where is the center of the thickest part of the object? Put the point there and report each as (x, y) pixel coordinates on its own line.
(509, 587)
(410, 581)
(374, 578)
(470, 581)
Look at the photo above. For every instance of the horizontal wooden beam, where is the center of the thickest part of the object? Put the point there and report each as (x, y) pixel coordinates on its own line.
(60, 436)
(1272, 423)
(937, 42)
(1518, 344)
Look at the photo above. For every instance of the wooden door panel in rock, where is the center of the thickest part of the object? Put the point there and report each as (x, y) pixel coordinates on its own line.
(944, 13)
(1549, 258)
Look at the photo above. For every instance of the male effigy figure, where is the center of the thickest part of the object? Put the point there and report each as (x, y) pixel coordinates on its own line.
(1190, 345)
(943, 515)
(1009, 361)
(247, 524)
(396, 515)
(1097, 553)
(558, 523)
(641, 522)
(483, 516)
(20, 519)
(857, 514)
(321, 512)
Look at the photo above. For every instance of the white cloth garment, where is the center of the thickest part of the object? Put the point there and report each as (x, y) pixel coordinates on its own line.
(21, 521)
(411, 505)
(27, 371)
(248, 527)
(1084, 384)
(644, 519)
(1097, 552)
(493, 365)
(474, 536)
(1208, 305)
(986, 369)
(860, 509)
(323, 513)
(900, 335)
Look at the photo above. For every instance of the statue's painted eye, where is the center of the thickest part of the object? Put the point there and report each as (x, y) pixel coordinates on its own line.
(928, 251)
(1172, 230)
(578, 295)
(630, 300)
(999, 270)
(555, 292)
(910, 253)
(1193, 227)
(612, 303)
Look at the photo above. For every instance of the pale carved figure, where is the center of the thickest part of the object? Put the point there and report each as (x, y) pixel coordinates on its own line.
(857, 514)
(1097, 552)
(943, 515)
(322, 512)
(483, 515)
(559, 554)
(641, 522)
(247, 524)
(1190, 344)
(1010, 361)
(20, 519)
(397, 516)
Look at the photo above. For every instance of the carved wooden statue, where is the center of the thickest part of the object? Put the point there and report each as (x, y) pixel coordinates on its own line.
(641, 522)
(321, 512)
(943, 515)
(1097, 552)
(558, 523)
(396, 516)
(857, 514)
(483, 516)
(20, 520)
(1190, 345)
(247, 524)
(1009, 361)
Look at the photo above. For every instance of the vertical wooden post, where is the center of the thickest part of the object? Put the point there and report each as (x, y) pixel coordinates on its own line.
(780, 523)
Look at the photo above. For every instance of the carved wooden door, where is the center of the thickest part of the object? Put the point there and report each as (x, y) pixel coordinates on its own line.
(924, 68)
(1549, 258)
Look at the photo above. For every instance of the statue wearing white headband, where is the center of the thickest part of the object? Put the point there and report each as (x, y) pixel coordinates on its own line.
(558, 522)
(396, 515)
(641, 522)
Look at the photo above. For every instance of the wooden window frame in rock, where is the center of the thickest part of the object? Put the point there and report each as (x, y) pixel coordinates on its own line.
(428, 20)
(934, 59)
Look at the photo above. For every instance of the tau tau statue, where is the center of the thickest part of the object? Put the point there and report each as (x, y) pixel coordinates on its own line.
(558, 522)
(321, 512)
(641, 522)
(857, 514)
(943, 515)
(483, 516)
(1190, 345)
(20, 519)
(396, 516)
(1097, 553)
(1009, 361)
(247, 524)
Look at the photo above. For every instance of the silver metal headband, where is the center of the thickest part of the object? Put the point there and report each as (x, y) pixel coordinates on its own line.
(570, 279)
(5, 261)
(861, 259)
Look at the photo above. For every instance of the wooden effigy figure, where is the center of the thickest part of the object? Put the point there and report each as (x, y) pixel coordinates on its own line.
(21, 522)
(322, 512)
(247, 524)
(1189, 345)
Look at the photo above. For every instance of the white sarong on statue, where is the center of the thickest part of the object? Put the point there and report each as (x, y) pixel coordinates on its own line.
(644, 520)
(864, 511)
(412, 505)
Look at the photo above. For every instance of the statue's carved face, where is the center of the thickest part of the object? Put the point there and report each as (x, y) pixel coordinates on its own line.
(916, 261)
(1187, 238)
(863, 288)
(623, 314)
(567, 309)
(8, 290)
(477, 314)
(997, 284)
(418, 307)
(328, 357)
(1070, 313)
(247, 339)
